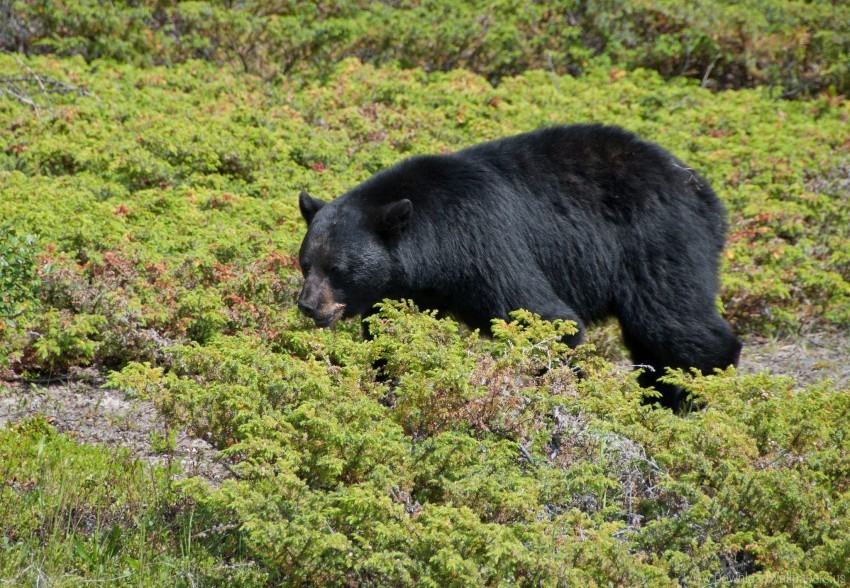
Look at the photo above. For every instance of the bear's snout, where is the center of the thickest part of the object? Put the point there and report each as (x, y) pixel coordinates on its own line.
(317, 302)
(307, 308)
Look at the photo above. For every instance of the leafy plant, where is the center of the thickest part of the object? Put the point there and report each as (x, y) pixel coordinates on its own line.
(489, 460)
(18, 281)
(798, 47)
(152, 229)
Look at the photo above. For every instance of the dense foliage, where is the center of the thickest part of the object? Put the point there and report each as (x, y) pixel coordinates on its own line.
(798, 46)
(149, 225)
(473, 462)
(163, 200)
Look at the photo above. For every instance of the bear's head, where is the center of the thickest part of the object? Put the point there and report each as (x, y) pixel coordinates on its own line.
(346, 256)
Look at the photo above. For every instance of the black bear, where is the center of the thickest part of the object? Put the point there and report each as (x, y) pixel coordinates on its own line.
(573, 222)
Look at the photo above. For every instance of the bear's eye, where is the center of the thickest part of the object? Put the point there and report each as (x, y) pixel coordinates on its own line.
(337, 267)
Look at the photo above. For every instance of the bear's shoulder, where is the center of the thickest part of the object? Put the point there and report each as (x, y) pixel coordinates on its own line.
(423, 179)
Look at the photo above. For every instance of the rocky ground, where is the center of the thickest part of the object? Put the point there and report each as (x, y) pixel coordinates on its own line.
(92, 414)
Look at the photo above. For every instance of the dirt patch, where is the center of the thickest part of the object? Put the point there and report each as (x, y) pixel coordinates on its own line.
(808, 359)
(91, 414)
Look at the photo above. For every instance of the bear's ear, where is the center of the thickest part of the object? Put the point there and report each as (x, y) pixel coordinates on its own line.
(309, 206)
(392, 218)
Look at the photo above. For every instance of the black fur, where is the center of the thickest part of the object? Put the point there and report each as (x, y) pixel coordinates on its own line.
(577, 222)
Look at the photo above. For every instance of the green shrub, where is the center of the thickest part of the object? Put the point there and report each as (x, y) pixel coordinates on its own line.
(18, 280)
(799, 47)
(19, 291)
(171, 213)
(162, 207)
(465, 462)
(345, 477)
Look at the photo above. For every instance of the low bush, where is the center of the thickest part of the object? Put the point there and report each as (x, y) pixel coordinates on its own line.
(798, 47)
(162, 202)
(489, 461)
(150, 227)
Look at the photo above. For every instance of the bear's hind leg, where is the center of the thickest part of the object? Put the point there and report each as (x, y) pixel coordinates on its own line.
(704, 342)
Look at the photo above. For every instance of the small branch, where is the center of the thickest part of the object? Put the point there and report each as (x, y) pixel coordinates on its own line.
(218, 459)
(32, 73)
(15, 86)
(24, 99)
(790, 93)
(222, 528)
(687, 58)
(525, 454)
(49, 380)
(708, 71)
(553, 74)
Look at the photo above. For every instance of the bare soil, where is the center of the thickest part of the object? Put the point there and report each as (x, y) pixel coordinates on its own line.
(807, 359)
(93, 414)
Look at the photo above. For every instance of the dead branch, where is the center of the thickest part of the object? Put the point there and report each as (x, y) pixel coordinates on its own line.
(22, 87)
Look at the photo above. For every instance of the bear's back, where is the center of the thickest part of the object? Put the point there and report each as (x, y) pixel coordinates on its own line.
(600, 170)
